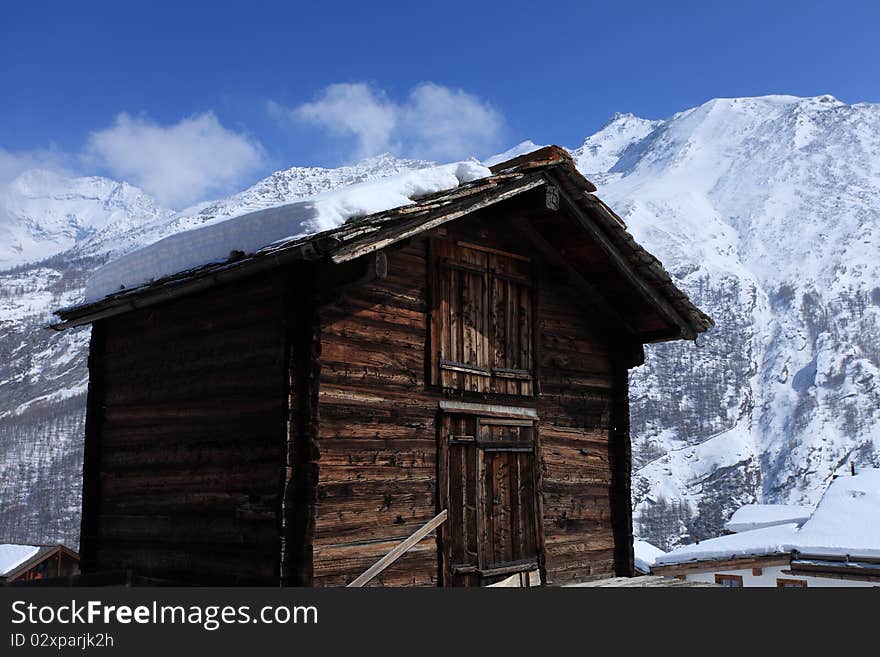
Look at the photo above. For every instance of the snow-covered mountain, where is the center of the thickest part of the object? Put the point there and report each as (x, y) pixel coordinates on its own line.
(43, 213)
(767, 211)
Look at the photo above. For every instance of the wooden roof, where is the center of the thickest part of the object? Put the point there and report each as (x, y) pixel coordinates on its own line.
(550, 167)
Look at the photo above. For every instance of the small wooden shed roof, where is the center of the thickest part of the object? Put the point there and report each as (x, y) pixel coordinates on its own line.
(42, 552)
(551, 168)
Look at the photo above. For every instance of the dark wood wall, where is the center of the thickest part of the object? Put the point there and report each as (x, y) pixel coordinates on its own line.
(575, 410)
(378, 424)
(185, 437)
(377, 438)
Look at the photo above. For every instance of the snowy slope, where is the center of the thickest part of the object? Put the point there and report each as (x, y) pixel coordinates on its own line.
(767, 210)
(757, 516)
(847, 519)
(277, 189)
(845, 523)
(12, 556)
(644, 556)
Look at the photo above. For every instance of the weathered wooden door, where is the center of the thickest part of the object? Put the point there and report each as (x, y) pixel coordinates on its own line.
(489, 489)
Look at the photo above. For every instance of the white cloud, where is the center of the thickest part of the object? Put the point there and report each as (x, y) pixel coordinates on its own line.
(433, 122)
(181, 163)
(447, 123)
(13, 163)
(353, 109)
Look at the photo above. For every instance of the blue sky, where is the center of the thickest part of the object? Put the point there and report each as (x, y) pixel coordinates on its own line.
(123, 88)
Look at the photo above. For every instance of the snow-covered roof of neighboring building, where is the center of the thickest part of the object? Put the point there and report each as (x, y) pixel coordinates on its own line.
(757, 516)
(755, 543)
(12, 556)
(846, 523)
(645, 555)
(847, 520)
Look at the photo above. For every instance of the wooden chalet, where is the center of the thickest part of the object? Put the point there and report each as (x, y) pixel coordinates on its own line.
(292, 415)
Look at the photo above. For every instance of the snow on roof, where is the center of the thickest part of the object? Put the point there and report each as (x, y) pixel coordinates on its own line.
(247, 233)
(12, 556)
(778, 539)
(846, 523)
(756, 516)
(645, 555)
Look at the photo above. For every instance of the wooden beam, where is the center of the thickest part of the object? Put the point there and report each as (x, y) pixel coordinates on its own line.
(506, 569)
(357, 248)
(551, 198)
(400, 550)
(596, 298)
(489, 249)
(620, 454)
(91, 486)
(299, 501)
(488, 410)
(662, 305)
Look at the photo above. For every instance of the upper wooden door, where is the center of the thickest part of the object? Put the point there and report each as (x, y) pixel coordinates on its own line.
(482, 319)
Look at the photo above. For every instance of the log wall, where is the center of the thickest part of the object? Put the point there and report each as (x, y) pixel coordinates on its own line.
(575, 408)
(377, 437)
(189, 413)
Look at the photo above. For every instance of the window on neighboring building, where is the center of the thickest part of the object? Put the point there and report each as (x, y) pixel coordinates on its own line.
(782, 583)
(733, 581)
(483, 314)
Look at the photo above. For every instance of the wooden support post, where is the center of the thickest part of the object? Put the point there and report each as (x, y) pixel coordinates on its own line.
(301, 485)
(621, 467)
(91, 487)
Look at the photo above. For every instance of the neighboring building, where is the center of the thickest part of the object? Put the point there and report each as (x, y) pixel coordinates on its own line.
(294, 413)
(838, 544)
(30, 562)
(645, 554)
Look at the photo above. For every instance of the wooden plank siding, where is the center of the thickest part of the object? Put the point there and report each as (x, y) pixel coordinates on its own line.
(377, 437)
(575, 410)
(192, 407)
